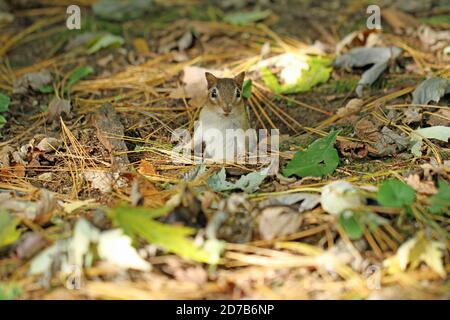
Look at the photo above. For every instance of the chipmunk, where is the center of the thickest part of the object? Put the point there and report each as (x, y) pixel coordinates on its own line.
(223, 112)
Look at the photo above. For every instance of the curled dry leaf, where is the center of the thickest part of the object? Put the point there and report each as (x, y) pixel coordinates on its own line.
(48, 144)
(38, 211)
(362, 38)
(412, 114)
(277, 221)
(440, 118)
(57, 107)
(435, 40)
(431, 89)
(184, 271)
(146, 168)
(177, 39)
(352, 149)
(105, 181)
(109, 130)
(390, 142)
(46, 207)
(421, 186)
(194, 81)
(188, 212)
(307, 200)
(378, 57)
(233, 221)
(365, 129)
(438, 132)
(34, 81)
(30, 244)
(352, 107)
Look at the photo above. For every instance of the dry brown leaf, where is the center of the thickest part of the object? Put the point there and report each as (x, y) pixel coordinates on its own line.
(412, 114)
(48, 144)
(57, 107)
(352, 149)
(352, 107)
(195, 85)
(440, 118)
(146, 168)
(35, 81)
(421, 186)
(276, 221)
(141, 46)
(435, 40)
(30, 243)
(366, 130)
(110, 132)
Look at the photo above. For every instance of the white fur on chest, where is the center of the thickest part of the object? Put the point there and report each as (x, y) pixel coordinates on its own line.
(218, 133)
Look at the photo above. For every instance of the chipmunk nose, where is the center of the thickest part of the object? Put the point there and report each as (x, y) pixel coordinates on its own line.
(227, 110)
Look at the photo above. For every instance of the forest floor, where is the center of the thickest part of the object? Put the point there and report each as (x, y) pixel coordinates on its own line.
(96, 204)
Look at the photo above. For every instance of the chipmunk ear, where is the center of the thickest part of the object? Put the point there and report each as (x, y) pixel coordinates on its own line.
(240, 79)
(211, 79)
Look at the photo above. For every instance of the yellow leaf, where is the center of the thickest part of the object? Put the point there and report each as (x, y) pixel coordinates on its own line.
(415, 251)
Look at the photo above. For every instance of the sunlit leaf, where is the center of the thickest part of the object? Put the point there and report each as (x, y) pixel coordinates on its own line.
(105, 41)
(415, 251)
(317, 71)
(9, 291)
(8, 228)
(138, 222)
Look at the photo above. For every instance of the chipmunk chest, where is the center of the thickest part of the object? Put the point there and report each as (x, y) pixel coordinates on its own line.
(221, 122)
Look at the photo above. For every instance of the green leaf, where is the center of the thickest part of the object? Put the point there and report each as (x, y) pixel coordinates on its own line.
(105, 41)
(2, 121)
(79, 74)
(243, 18)
(4, 102)
(247, 89)
(394, 193)
(248, 183)
(9, 291)
(138, 222)
(355, 222)
(8, 229)
(352, 227)
(319, 159)
(121, 10)
(440, 202)
(318, 71)
(46, 89)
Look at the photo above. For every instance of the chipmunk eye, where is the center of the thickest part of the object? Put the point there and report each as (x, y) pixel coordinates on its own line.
(238, 93)
(213, 93)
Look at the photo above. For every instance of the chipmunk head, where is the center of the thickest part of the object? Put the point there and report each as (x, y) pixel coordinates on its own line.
(225, 93)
